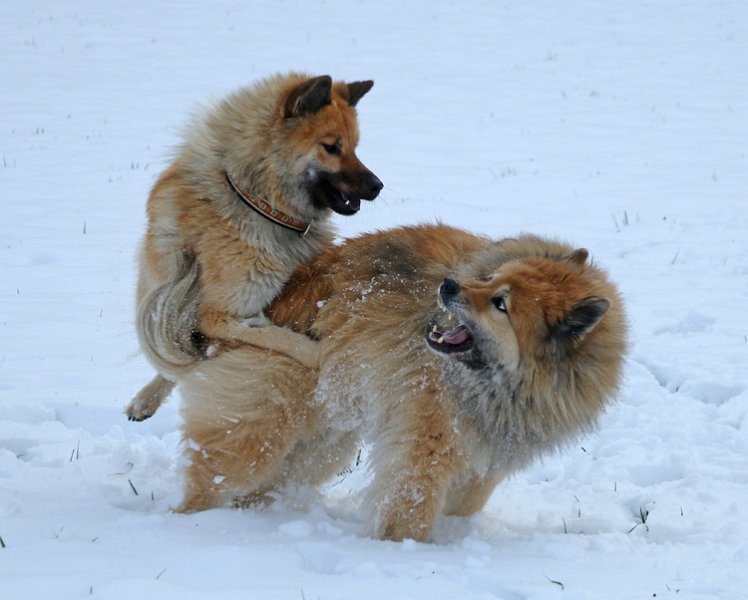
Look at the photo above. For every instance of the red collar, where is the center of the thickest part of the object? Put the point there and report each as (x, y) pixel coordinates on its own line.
(263, 207)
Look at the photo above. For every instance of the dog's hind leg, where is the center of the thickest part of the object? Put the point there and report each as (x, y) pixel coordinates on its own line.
(239, 458)
(149, 398)
(234, 462)
(244, 411)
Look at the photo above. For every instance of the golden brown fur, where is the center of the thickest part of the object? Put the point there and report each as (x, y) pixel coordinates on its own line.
(448, 414)
(209, 263)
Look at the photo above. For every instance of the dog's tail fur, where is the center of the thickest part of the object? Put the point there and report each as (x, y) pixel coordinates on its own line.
(166, 322)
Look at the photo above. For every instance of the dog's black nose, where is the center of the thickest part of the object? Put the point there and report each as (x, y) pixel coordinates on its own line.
(374, 186)
(449, 289)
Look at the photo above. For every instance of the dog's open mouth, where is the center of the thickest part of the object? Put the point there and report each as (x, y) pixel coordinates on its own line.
(459, 339)
(340, 202)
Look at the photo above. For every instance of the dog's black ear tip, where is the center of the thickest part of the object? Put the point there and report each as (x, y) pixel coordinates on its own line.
(357, 89)
(321, 82)
(579, 256)
(308, 97)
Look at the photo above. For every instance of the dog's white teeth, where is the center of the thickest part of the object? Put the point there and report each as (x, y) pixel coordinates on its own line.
(440, 340)
(451, 317)
(434, 330)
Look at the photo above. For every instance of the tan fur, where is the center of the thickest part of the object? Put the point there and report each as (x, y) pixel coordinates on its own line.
(444, 429)
(210, 264)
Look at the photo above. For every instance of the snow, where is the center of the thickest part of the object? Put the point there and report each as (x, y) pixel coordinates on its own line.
(621, 127)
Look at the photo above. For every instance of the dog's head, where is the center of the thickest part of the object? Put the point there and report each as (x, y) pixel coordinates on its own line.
(320, 133)
(531, 314)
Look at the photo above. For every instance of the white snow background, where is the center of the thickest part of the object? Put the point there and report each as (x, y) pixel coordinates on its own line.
(619, 126)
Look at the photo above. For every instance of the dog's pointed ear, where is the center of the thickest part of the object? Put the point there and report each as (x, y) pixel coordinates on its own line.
(579, 321)
(579, 256)
(357, 89)
(309, 97)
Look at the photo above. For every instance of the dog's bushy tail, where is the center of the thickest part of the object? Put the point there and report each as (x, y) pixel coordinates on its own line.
(166, 322)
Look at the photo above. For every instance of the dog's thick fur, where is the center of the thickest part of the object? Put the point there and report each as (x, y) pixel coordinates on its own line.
(450, 407)
(210, 264)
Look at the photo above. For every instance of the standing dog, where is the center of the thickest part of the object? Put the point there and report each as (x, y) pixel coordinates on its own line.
(245, 202)
(459, 359)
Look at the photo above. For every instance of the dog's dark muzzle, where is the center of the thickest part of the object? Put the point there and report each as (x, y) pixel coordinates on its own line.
(457, 341)
(362, 184)
(342, 193)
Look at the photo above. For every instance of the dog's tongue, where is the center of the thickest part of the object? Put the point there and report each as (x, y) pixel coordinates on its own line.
(458, 335)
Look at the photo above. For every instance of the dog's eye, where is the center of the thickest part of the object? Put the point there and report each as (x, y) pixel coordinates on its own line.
(499, 303)
(332, 149)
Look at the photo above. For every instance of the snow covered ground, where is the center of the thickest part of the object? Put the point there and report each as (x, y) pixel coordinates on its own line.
(622, 127)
